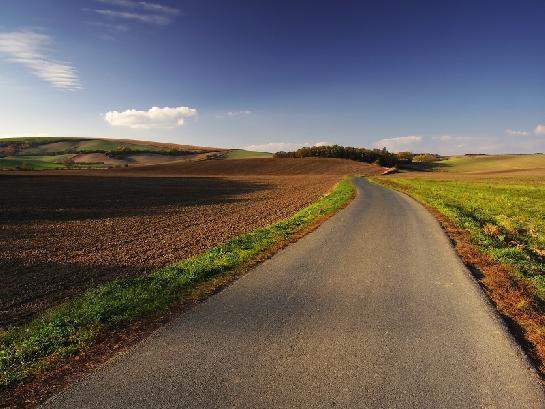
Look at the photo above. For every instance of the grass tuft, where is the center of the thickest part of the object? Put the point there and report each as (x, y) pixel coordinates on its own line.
(74, 325)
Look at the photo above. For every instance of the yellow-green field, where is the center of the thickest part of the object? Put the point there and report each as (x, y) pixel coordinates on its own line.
(499, 199)
(498, 203)
(506, 218)
(494, 164)
(243, 154)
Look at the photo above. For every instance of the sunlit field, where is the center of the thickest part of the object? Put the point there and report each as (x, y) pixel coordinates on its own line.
(506, 217)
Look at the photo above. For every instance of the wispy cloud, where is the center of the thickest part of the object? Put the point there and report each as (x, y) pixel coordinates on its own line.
(239, 113)
(514, 132)
(109, 26)
(442, 138)
(32, 50)
(398, 144)
(141, 5)
(141, 17)
(153, 118)
(540, 129)
(234, 114)
(140, 11)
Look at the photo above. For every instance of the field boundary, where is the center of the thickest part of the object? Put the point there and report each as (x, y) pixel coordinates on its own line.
(99, 316)
(514, 300)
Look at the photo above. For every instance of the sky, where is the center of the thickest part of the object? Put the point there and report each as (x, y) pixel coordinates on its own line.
(425, 76)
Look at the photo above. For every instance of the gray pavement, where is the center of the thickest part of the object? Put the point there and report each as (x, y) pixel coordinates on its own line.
(372, 310)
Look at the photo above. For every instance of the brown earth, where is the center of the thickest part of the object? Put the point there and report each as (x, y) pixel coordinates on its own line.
(61, 233)
(263, 166)
(219, 167)
(135, 159)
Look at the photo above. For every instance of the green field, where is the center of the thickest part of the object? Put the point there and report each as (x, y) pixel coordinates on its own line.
(40, 162)
(243, 154)
(492, 163)
(34, 162)
(506, 218)
(499, 202)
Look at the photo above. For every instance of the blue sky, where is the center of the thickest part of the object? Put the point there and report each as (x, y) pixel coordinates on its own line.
(448, 77)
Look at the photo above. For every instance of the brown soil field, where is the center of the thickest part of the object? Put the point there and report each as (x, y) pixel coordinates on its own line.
(62, 232)
(134, 159)
(263, 166)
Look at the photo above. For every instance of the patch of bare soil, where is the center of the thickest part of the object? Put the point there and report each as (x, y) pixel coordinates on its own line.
(62, 234)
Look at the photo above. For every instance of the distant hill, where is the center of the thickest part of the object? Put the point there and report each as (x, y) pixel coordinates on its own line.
(244, 154)
(77, 153)
(494, 164)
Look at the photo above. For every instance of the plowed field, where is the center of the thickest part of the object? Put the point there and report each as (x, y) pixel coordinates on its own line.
(63, 232)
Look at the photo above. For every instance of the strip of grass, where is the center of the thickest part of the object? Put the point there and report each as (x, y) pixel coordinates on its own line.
(74, 325)
(506, 219)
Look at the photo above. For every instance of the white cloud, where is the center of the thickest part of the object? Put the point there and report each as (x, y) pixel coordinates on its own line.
(540, 129)
(398, 144)
(281, 146)
(153, 118)
(323, 143)
(32, 50)
(513, 132)
(141, 11)
(141, 5)
(142, 17)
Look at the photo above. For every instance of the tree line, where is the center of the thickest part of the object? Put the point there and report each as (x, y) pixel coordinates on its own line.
(379, 156)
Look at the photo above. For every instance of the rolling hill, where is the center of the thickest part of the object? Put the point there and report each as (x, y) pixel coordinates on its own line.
(86, 153)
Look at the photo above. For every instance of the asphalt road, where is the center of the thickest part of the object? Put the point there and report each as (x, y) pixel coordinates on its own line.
(372, 310)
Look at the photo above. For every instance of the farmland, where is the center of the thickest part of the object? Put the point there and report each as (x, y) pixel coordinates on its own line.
(62, 233)
(243, 154)
(82, 153)
(507, 165)
(110, 249)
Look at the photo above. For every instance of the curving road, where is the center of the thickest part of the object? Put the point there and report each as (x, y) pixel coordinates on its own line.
(372, 310)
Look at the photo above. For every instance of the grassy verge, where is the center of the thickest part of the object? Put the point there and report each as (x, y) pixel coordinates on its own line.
(499, 227)
(74, 325)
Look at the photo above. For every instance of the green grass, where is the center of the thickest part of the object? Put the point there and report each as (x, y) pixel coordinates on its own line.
(74, 325)
(38, 162)
(33, 162)
(243, 154)
(50, 146)
(492, 163)
(505, 218)
(97, 145)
